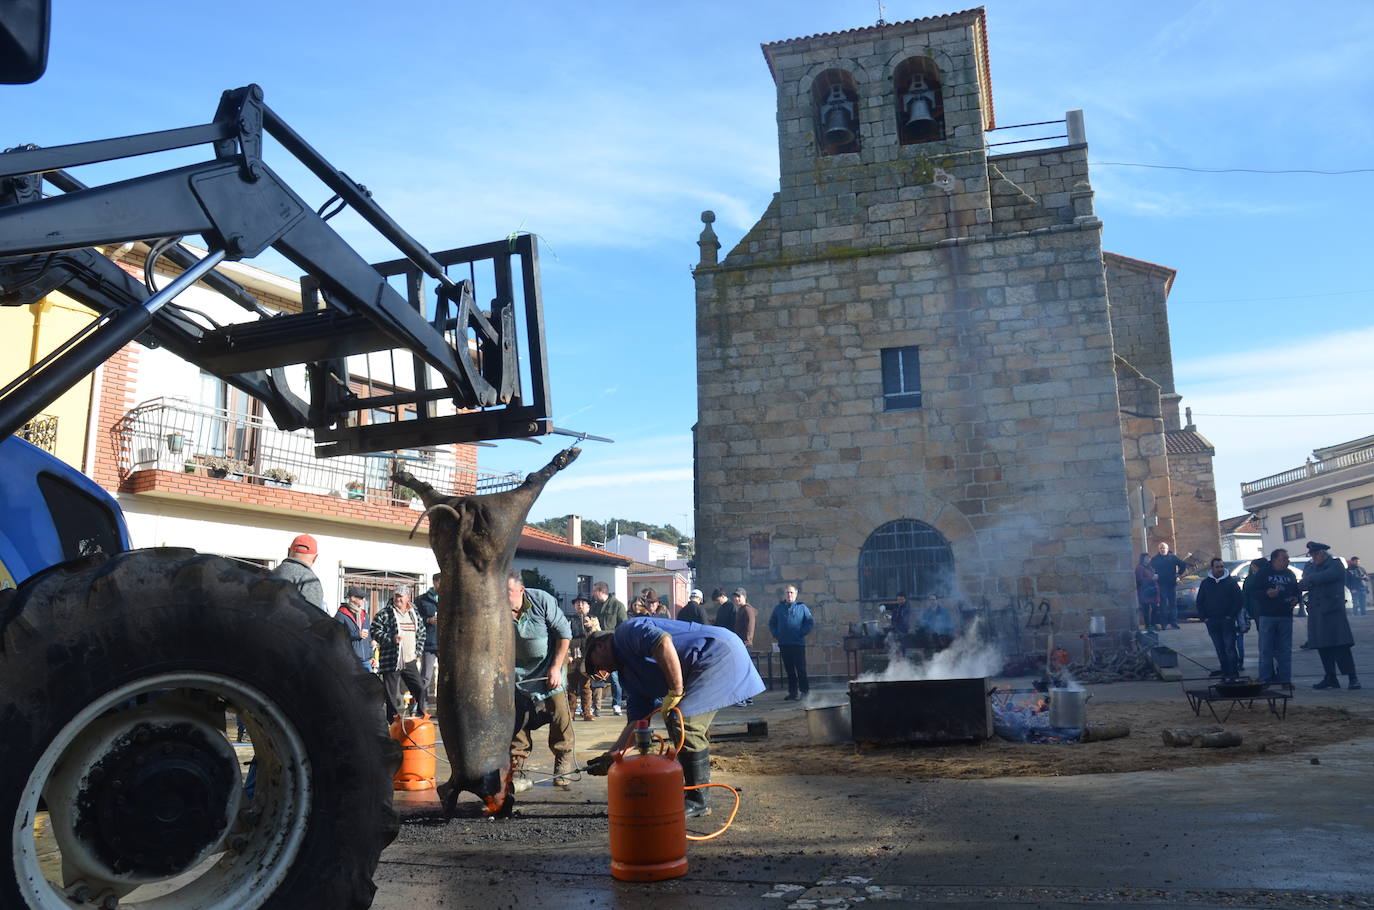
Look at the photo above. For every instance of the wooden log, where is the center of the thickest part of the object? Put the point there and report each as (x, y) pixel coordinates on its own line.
(1189, 736)
(1226, 739)
(1094, 733)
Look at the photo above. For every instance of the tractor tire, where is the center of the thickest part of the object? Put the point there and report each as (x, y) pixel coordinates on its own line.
(77, 637)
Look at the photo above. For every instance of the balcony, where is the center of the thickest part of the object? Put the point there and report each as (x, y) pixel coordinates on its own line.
(1343, 470)
(41, 431)
(178, 436)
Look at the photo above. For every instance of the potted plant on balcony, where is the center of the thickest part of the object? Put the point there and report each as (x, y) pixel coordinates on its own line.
(278, 477)
(356, 489)
(404, 494)
(223, 467)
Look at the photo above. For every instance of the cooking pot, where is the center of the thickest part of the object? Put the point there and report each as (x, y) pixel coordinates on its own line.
(1069, 708)
(1097, 625)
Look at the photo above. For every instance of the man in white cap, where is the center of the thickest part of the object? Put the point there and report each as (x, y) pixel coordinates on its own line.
(692, 611)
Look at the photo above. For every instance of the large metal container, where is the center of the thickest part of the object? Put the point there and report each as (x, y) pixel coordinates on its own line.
(829, 724)
(1069, 708)
(921, 711)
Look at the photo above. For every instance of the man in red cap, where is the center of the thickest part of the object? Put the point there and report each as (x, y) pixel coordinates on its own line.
(295, 568)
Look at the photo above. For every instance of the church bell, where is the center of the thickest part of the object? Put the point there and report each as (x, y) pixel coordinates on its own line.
(837, 119)
(919, 103)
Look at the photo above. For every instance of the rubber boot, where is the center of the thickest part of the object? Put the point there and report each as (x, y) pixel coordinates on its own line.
(696, 769)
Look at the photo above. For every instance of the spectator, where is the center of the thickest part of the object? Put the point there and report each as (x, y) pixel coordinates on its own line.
(725, 611)
(427, 605)
(899, 614)
(1357, 580)
(353, 614)
(542, 638)
(746, 620)
(1146, 592)
(610, 612)
(400, 635)
(1167, 568)
(697, 669)
(579, 683)
(296, 568)
(1272, 589)
(790, 623)
(692, 610)
(1219, 602)
(1328, 629)
(652, 606)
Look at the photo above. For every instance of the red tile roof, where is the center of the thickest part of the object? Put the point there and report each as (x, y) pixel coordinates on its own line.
(1187, 442)
(534, 542)
(1241, 524)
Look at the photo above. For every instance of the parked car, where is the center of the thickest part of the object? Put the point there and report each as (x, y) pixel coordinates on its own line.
(1237, 569)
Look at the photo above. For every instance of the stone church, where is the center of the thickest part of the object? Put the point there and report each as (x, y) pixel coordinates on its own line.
(920, 371)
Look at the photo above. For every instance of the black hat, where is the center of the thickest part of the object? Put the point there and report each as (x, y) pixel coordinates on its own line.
(355, 591)
(1314, 547)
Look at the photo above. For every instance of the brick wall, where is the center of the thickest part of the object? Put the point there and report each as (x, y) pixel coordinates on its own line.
(116, 397)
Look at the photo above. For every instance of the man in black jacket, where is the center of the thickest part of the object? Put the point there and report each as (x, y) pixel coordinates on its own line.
(1219, 602)
(427, 605)
(1273, 592)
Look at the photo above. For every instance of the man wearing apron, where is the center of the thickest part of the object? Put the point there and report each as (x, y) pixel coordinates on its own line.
(697, 669)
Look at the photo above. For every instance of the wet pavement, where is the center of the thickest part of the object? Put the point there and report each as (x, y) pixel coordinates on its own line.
(1293, 831)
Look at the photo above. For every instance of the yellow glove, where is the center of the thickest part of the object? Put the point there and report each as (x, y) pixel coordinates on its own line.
(670, 701)
(599, 766)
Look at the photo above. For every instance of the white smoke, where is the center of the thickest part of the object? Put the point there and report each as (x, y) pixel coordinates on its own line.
(969, 656)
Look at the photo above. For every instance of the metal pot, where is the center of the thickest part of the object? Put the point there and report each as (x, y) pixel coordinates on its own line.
(1069, 708)
(1097, 625)
(829, 724)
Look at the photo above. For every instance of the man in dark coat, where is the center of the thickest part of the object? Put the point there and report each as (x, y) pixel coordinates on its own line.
(1219, 602)
(692, 610)
(1273, 592)
(1167, 568)
(427, 605)
(1328, 630)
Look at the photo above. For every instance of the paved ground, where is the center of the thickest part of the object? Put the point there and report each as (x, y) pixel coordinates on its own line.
(1295, 831)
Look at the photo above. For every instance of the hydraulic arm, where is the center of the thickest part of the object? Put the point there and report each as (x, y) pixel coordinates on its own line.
(240, 207)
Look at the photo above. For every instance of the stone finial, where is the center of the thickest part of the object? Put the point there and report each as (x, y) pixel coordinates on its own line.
(1188, 419)
(710, 245)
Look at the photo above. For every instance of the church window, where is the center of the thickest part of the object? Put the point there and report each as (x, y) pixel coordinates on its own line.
(901, 378)
(920, 101)
(835, 100)
(905, 555)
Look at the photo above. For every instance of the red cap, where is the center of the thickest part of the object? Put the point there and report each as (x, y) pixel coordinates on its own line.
(305, 544)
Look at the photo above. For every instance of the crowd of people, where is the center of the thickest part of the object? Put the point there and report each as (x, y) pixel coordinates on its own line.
(1269, 599)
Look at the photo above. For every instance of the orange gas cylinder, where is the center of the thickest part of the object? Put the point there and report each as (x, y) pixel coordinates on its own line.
(648, 818)
(416, 736)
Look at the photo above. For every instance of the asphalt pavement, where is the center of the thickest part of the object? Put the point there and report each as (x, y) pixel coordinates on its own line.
(1293, 831)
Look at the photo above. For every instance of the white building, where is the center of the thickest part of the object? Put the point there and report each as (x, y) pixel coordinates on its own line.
(1329, 498)
(643, 548)
(1241, 538)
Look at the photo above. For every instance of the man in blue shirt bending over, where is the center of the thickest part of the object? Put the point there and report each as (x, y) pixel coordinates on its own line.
(697, 669)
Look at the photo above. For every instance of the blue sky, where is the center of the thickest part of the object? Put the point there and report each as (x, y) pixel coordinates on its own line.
(606, 128)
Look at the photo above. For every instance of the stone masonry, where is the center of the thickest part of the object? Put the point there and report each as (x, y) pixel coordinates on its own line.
(992, 267)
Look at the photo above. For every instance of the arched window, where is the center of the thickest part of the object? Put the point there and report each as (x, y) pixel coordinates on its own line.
(835, 101)
(905, 555)
(920, 101)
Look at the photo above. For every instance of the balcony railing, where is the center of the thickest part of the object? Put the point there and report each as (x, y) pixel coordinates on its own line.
(41, 431)
(1311, 469)
(172, 434)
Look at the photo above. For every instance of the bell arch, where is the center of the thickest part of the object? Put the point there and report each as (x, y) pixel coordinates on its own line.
(905, 555)
(920, 103)
(835, 106)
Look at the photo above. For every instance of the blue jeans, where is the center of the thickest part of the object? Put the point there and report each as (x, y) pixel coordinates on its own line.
(1361, 599)
(617, 696)
(1276, 649)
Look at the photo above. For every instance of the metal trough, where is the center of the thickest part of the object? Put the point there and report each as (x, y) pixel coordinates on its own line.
(921, 711)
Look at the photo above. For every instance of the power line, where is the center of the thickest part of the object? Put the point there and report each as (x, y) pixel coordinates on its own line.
(1287, 416)
(1229, 170)
(1266, 299)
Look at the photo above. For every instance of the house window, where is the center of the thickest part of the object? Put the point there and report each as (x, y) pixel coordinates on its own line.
(1293, 528)
(584, 586)
(901, 379)
(1361, 511)
(920, 102)
(908, 556)
(835, 100)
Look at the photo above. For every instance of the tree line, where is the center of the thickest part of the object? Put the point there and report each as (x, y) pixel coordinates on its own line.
(594, 531)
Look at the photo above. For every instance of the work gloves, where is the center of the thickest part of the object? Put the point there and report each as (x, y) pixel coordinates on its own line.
(599, 766)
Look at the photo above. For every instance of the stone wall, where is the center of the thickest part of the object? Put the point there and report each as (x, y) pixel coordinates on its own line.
(1194, 496)
(1140, 317)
